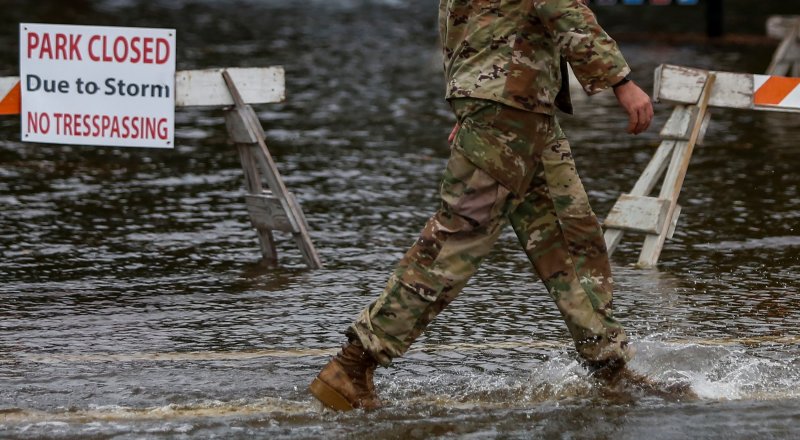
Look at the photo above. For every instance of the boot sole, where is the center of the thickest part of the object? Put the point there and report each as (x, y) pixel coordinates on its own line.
(329, 396)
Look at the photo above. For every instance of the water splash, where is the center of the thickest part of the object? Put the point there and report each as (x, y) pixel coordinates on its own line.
(729, 369)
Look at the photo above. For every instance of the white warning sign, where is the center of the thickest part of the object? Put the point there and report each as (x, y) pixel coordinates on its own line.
(92, 85)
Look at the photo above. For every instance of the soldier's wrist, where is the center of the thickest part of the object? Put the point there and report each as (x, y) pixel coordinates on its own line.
(621, 82)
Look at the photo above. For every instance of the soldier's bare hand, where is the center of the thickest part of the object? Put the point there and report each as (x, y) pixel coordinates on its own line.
(453, 133)
(636, 103)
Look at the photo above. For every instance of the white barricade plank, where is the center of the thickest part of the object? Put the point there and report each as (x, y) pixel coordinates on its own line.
(638, 214)
(684, 85)
(259, 85)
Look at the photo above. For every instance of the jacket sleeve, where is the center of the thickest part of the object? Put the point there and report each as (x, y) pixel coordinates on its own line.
(442, 21)
(593, 54)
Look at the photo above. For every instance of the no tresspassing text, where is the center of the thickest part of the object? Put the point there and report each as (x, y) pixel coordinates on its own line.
(98, 126)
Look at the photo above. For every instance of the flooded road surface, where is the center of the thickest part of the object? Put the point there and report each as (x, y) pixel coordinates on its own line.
(132, 305)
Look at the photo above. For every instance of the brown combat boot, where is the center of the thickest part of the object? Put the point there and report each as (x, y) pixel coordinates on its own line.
(346, 382)
(608, 372)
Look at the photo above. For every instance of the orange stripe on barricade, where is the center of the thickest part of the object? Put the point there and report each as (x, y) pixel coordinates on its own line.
(775, 90)
(11, 103)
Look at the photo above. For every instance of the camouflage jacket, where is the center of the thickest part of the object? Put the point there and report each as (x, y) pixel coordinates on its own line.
(510, 51)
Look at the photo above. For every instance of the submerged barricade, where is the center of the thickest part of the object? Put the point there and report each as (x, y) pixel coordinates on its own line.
(270, 205)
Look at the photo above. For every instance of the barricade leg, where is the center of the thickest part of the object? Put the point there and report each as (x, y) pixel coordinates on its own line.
(273, 209)
(658, 216)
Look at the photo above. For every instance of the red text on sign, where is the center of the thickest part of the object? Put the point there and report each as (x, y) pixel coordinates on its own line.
(147, 50)
(95, 125)
(54, 46)
(38, 122)
(98, 48)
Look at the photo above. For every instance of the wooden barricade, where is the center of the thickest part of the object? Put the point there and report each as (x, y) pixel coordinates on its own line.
(692, 91)
(270, 209)
(273, 208)
(786, 60)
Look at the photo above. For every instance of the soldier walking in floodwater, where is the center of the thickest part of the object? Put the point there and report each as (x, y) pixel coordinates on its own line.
(505, 67)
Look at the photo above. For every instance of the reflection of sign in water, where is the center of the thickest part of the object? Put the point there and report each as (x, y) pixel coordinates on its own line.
(97, 85)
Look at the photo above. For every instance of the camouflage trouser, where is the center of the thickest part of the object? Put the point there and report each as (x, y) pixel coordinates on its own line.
(506, 165)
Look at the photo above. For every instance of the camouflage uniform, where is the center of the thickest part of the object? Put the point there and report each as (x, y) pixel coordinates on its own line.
(509, 163)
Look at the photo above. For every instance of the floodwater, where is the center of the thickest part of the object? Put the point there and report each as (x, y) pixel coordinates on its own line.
(133, 305)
